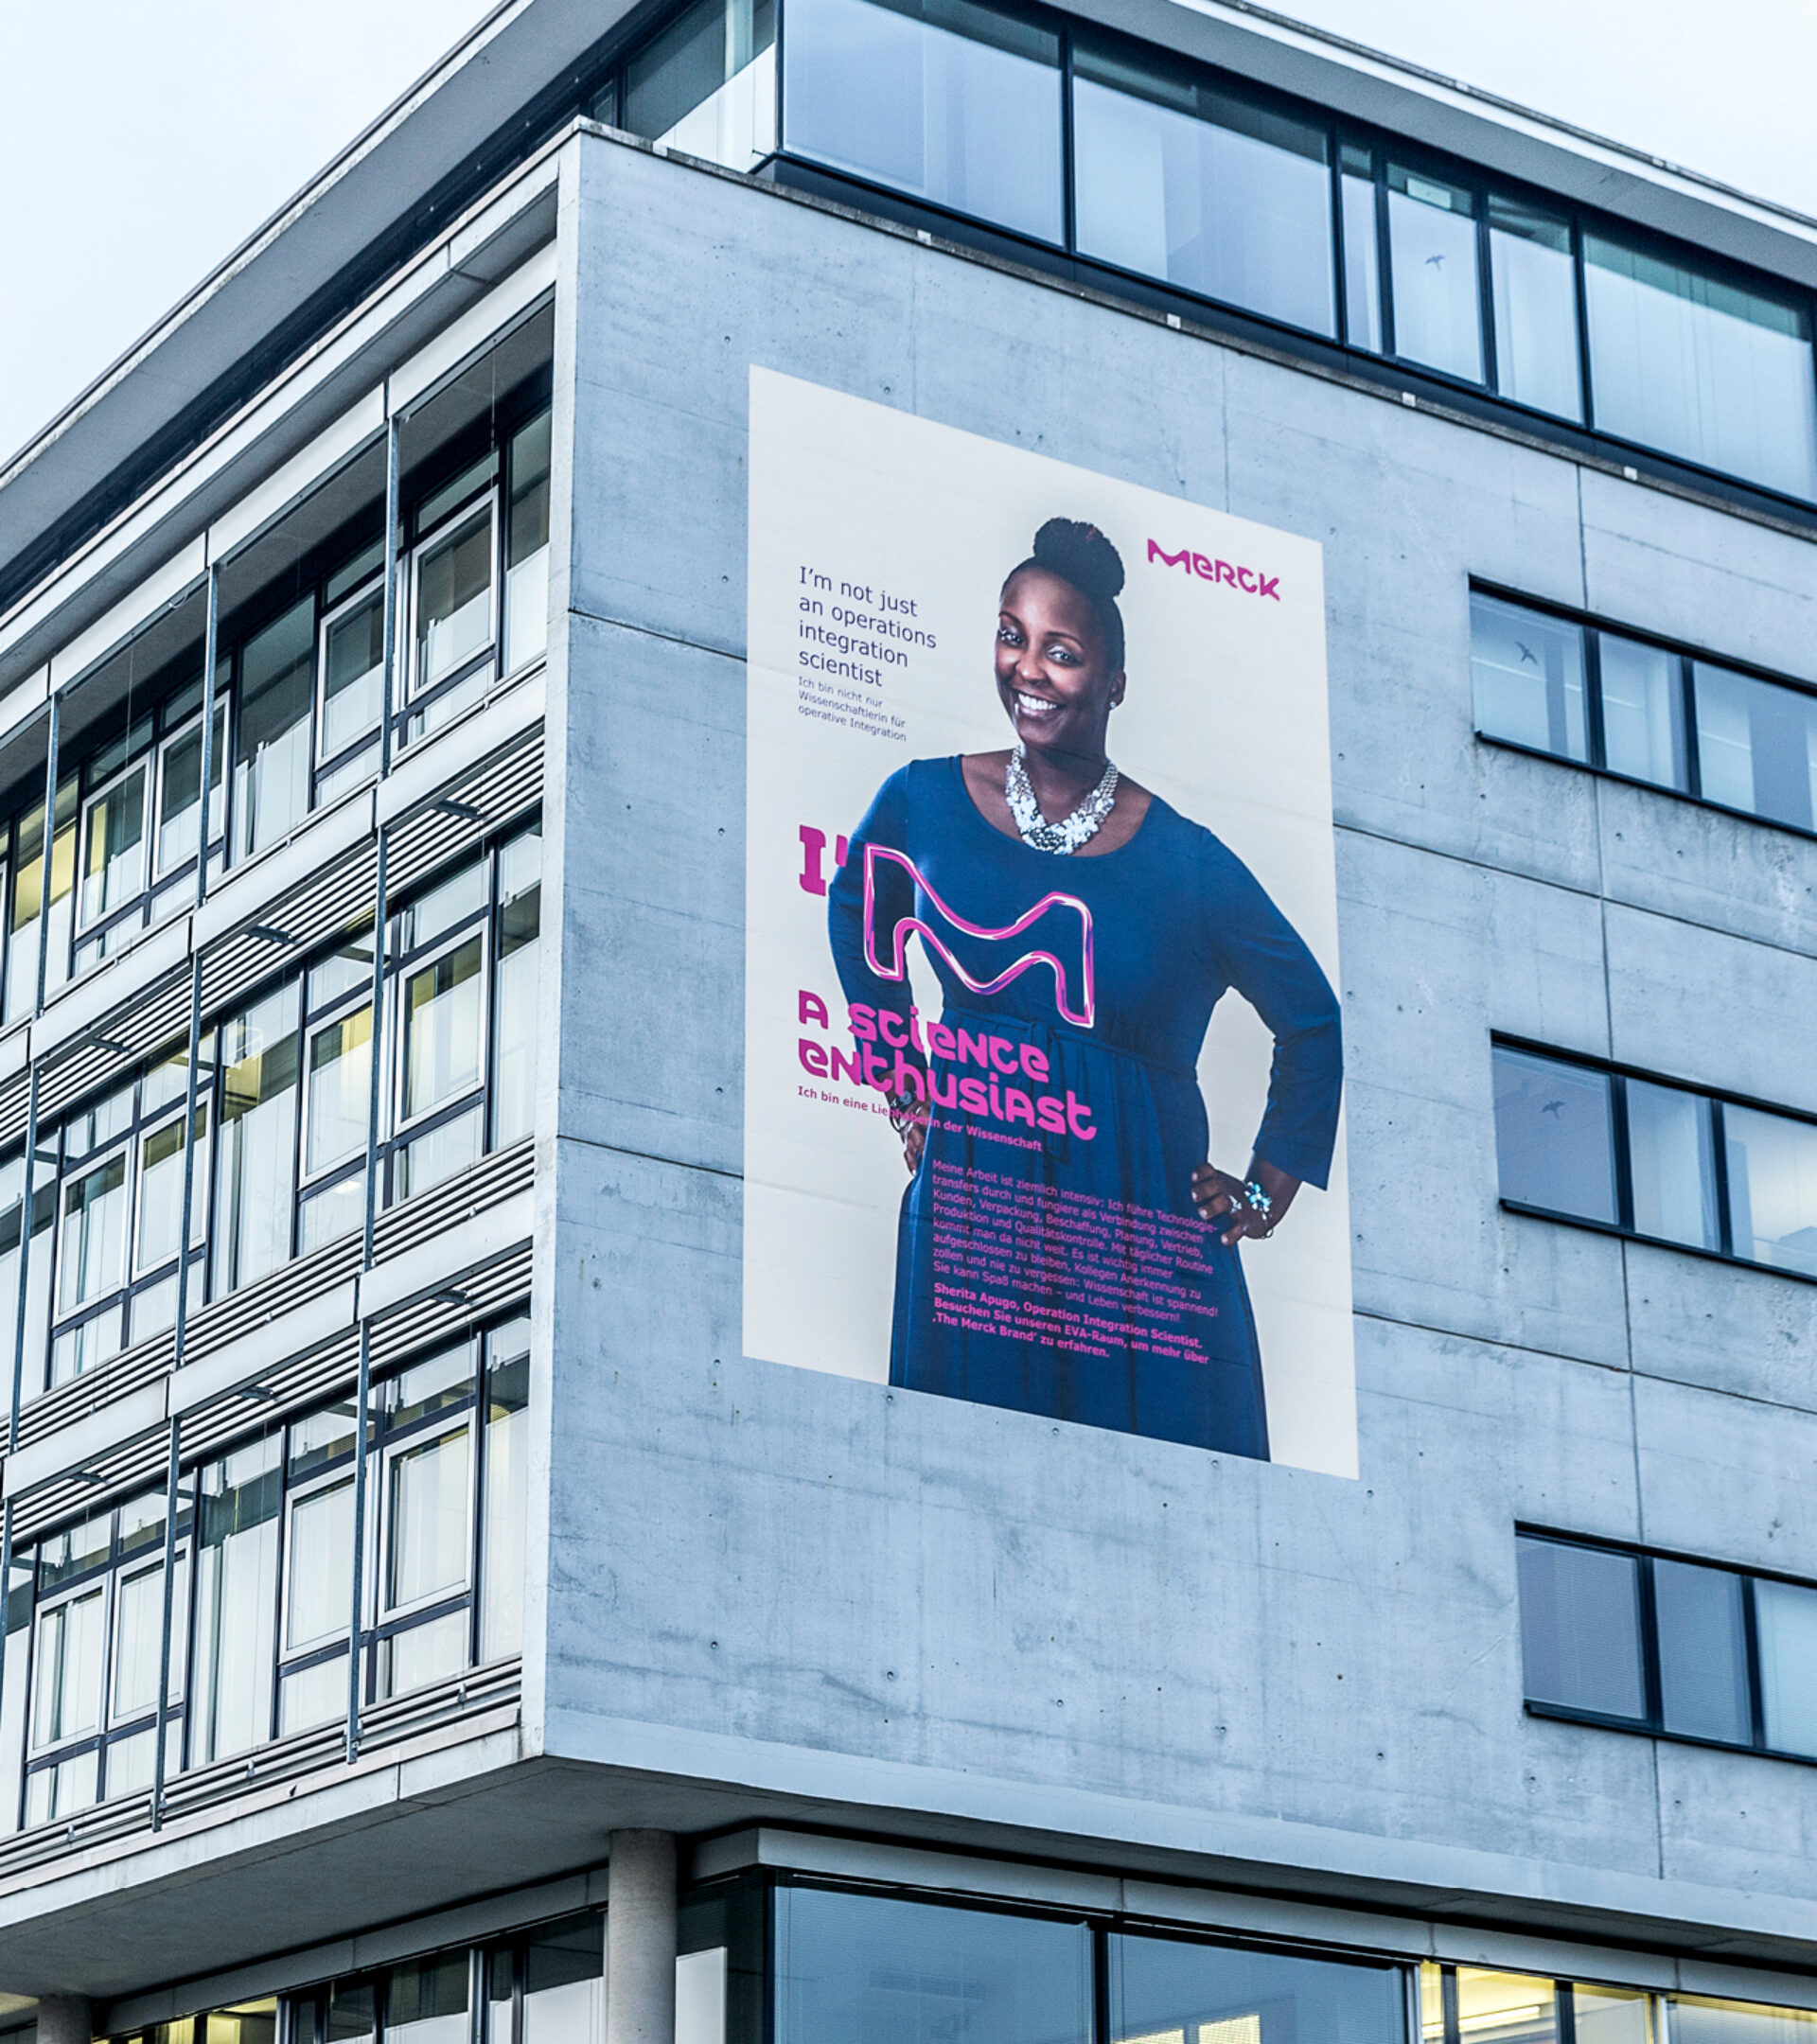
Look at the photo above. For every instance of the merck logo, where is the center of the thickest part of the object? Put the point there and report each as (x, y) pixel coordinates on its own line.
(1247, 579)
(1069, 926)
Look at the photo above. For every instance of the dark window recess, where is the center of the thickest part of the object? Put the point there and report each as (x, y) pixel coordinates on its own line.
(1656, 1644)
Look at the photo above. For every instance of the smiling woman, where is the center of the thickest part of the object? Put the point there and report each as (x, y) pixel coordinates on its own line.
(1082, 995)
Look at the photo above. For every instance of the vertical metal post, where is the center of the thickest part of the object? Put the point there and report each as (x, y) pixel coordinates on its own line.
(21, 1302)
(374, 1106)
(210, 659)
(171, 1495)
(50, 840)
(6, 1616)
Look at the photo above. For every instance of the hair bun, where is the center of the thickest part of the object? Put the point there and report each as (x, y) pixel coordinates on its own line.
(1081, 555)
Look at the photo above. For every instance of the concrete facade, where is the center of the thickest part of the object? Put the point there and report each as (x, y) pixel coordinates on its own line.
(800, 1622)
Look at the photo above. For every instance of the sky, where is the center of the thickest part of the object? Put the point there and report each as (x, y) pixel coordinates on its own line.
(143, 143)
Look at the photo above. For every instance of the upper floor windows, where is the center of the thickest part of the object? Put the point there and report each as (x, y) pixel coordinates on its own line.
(1656, 1644)
(1637, 708)
(1139, 161)
(1577, 1141)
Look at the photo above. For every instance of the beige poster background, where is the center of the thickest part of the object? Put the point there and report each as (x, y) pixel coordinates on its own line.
(867, 512)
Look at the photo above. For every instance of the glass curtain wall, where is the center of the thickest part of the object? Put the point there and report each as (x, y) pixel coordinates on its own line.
(280, 1123)
(265, 1552)
(704, 85)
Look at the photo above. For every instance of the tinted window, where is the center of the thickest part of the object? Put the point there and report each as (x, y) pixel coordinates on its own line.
(1432, 251)
(1185, 184)
(1535, 284)
(1702, 1651)
(1161, 1987)
(1786, 1620)
(1527, 676)
(1581, 1629)
(1672, 1165)
(1643, 711)
(944, 99)
(1700, 368)
(1756, 745)
(1772, 1188)
(1553, 1136)
(861, 1969)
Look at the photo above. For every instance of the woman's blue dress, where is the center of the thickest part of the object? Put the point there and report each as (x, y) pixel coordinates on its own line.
(1066, 1270)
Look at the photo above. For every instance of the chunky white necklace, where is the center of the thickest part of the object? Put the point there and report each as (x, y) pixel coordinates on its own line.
(1070, 831)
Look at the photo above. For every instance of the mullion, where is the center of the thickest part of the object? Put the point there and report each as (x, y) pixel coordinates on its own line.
(1485, 288)
(1687, 710)
(1652, 1684)
(1719, 1170)
(1592, 698)
(1751, 1638)
(1383, 254)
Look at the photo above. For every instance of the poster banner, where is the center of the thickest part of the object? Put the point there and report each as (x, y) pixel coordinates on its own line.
(988, 1047)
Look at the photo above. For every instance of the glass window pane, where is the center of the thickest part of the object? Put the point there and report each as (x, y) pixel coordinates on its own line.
(1526, 678)
(258, 1161)
(438, 1385)
(1785, 1618)
(443, 1049)
(1362, 264)
(180, 793)
(313, 1696)
(353, 674)
(1643, 711)
(277, 703)
(1183, 183)
(1756, 745)
(1700, 368)
(65, 1556)
(57, 1791)
(318, 1438)
(1554, 1137)
(161, 1191)
(114, 848)
(69, 1670)
(422, 1654)
(453, 598)
(513, 1020)
(449, 902)
(1581, 1629)
(1611, 2016)
(91, 1257)
(236, 1601)
(449, 1147)
(336, 1210)
(563, 1982)
(318, 1588)
(706, 84)
(1772, 1188)
(138, 1640)
(866, 1969)
(1695, 2020)
(1432, 251)
(1702, 1653)
(1671, 1157)
(507, 1450)
(1506, 2008)
(340, 1089)
(1209, 1994)
(946, 99)
(426, 1521)
(426, 2002)
(1534, 282)
(526, 549)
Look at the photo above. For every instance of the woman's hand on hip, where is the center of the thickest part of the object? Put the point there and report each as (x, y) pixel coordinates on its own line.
(1251, 1206)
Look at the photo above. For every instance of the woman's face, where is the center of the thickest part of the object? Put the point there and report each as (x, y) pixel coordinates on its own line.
(1053, 667)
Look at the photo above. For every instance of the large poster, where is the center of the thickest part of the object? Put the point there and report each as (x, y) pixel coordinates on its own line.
(1043, 1073)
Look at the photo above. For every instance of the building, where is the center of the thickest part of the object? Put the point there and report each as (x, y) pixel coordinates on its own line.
(417, 537)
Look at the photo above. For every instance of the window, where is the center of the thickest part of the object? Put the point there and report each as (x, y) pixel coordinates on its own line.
(507, 1490)
(1215, 1994)
(255, 1173)
(1182, 182)
(95, 1596)
(1362, 251)
(1431, 246)
(1699, 367)
(1683, 1648)
(706, 83)
(852, 1970)
(947, 100)
(1644, 711)
(1659, 1161)
(1535, 297)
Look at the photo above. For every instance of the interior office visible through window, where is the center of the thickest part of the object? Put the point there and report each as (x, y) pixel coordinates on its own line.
(1663, 1162)
(1627, 705)
(1683, 1648)
(1139, 161)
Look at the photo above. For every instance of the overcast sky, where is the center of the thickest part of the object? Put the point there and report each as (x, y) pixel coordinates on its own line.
(143, 141)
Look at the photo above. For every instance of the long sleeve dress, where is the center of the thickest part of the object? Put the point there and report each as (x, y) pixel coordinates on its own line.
(1049, 1256)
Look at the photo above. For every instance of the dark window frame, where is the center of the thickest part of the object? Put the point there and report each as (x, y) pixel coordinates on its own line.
(1687, 655)
(1620, 1229)
(1654, 1724)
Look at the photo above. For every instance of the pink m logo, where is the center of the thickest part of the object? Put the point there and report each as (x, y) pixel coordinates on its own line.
(1063, 905)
